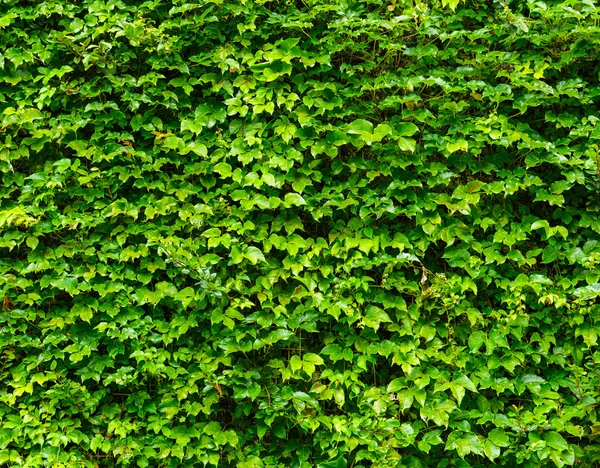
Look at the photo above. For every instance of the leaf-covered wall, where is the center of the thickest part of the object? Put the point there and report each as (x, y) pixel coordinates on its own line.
(299, 233)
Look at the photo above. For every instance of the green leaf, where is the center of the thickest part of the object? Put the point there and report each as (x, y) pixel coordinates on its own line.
(293, 199)
(295, 363)
(499, 437)
(588, 292)
(334, 351)
(549, 254)
(253, 391)
(299, 184)
(86, 314)
(337, 138)
(407, 129)
(556, 441)
(375, 316)
(465, 382)
(68, 284)
(457, 145)
(396, 385)
(491, 450)
(212, 428)
(451, 3)
(279, 431)
(223, 169)
(365, 245)
(32, 242)
(361, 127)
(428, 332)
(532, 378)
(313, 359)
(254, 255)
(542, 223)
(380, 132)
(407, 144)
(337, 463)
(212, 232)
(475, 340)
(405, 398)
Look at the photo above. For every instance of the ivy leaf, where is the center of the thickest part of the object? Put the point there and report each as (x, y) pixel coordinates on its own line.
(361, 127)
(337, 463)
(407, 144)
(556, 441)
(313, 358)
(254, 255)
(279, 431)
(295, 363)
(337, 138)
(380, 132)
(212, 232)
(476, 339)
(465, 382)
(457, 145)
(375, 316)
(223, 169)
(499, 437)
(32, 242)
(407, 129)
(491, 450)
(549, 254)
(396, 385)
(294, 199)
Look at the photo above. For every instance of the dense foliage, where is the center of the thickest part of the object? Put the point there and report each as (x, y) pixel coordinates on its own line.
(299, 233)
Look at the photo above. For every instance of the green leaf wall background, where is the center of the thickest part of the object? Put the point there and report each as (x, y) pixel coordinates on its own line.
(299, 233)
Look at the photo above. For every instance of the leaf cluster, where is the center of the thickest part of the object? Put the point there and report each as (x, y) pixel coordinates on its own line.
(299, 233)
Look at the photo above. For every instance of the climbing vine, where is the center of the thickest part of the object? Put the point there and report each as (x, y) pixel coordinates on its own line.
(299, 233)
